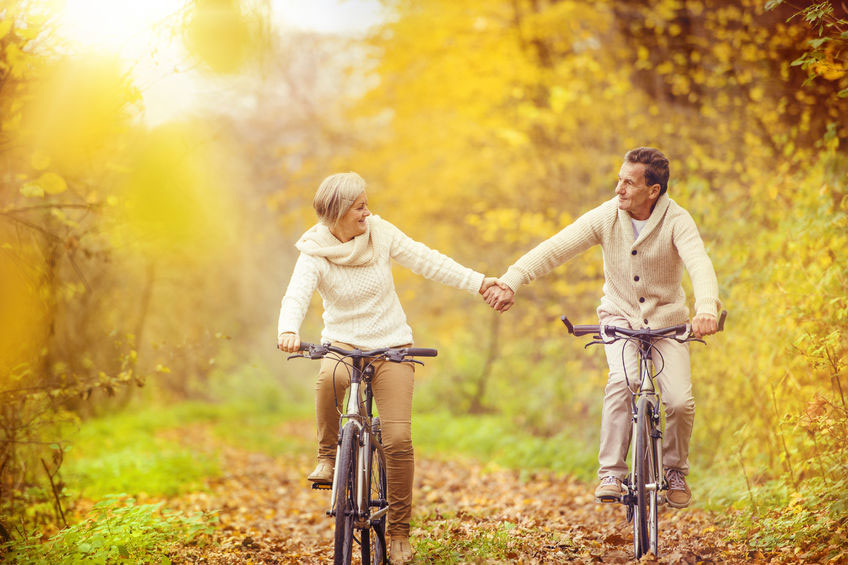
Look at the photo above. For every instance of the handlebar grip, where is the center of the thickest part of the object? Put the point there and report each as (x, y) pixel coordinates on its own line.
(579, 330)
(721, 319)
(420, 352)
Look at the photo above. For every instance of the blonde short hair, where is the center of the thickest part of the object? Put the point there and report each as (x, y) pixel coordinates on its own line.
(336, 195)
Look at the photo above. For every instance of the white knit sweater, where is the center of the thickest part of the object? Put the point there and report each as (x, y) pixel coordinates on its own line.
(642, 275)
(355, 282)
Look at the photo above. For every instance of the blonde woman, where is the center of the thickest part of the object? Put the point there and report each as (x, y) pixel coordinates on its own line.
(347, 257)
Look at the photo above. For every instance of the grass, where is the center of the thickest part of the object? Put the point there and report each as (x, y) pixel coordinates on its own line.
(116, 530)
(491, 439)
(127, 453)
(132, 451)
(447, 548)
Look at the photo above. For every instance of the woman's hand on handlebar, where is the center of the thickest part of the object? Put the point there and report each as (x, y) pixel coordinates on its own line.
(704, 324)
(288, 342)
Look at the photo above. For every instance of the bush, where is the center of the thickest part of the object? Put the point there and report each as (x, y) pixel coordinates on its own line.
(117, 529)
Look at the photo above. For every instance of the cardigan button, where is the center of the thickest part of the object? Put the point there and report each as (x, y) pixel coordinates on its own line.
(633, 252)
(641, 299)
(646, 321)
(636, 278)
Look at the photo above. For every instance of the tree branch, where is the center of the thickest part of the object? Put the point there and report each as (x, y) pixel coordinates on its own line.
(55, 493)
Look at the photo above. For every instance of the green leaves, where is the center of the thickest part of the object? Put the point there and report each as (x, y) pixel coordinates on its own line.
(117, 528)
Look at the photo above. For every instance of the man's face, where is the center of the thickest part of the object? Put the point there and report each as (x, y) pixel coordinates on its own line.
(634, 196)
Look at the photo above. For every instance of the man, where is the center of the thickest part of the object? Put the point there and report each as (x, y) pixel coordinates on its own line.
(646, 239)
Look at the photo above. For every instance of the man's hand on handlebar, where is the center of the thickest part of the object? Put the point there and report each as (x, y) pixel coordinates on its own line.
(288, 342)
(704, 324)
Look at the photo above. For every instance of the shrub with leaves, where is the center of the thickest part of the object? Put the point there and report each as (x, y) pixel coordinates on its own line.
(117, 529)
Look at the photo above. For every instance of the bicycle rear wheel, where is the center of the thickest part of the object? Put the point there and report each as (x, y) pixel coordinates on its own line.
(374, 549)
(346, 495)
(646, 481)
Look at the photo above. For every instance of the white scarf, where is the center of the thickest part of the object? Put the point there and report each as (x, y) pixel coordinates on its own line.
(320, 242)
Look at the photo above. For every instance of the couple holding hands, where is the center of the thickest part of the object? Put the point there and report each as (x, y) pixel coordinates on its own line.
(647, 240)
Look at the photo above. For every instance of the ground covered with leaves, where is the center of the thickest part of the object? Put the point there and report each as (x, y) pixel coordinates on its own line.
(464, 513)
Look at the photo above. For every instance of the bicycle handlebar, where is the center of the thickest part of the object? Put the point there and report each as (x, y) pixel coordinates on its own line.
(680, 332)
(395, 354)
(420, 352)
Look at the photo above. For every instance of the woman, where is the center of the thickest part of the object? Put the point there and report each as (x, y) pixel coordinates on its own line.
(347, 258)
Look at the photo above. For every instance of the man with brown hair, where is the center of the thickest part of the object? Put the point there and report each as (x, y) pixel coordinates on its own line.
(647, 240)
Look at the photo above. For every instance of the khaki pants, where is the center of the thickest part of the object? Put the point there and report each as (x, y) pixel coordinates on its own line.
(392, 385)
(675, 386)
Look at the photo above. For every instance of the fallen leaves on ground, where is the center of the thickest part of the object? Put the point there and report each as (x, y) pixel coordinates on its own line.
(464, 512)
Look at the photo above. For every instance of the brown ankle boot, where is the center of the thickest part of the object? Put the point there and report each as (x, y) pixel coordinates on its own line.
(400, 551)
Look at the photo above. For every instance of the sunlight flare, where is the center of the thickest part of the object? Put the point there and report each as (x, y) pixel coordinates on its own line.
(115, 25)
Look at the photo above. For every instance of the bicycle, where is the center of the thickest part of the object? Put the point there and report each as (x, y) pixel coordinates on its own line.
(646, 484)
(359, 476)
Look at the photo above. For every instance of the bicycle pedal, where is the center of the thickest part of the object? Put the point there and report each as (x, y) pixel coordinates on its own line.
(607, 500)
(322, 486)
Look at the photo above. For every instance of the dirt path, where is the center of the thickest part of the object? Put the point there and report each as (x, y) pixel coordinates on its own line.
(463, 513)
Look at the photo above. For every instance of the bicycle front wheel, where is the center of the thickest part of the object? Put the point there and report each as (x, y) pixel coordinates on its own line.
(346, 495)
(647, 480)
(374, 549)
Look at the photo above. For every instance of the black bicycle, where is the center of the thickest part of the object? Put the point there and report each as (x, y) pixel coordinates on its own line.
(359, 496)
(645, 485)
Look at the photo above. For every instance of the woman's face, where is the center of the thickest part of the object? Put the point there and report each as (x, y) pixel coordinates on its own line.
(352, 223)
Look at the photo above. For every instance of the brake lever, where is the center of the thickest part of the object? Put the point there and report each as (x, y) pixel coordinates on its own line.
(413, 361)
(595, 342)
(395, 357)
(295, 355)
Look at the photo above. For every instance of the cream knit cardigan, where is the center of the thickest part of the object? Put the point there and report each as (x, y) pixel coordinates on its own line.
(355, 282)
(642, 277)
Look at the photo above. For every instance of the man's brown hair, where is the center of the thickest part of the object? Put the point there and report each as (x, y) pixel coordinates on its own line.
(656, 165)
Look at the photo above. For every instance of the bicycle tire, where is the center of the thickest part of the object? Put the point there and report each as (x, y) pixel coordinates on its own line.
(374, 550)
(655, 466)
(346, 495)
(644, 463)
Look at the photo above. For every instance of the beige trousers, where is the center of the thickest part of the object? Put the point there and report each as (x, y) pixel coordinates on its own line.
(392, 385)
(675, 386)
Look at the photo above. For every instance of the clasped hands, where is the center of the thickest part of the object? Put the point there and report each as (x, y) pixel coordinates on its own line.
(497, 294)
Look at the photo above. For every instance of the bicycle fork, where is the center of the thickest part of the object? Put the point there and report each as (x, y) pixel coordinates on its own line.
(647, 389)
(352, 414)
(656, 437)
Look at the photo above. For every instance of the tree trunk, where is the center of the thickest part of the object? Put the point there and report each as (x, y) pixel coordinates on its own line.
(477, 406)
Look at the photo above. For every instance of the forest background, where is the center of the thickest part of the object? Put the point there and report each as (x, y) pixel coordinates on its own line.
(136, 253)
